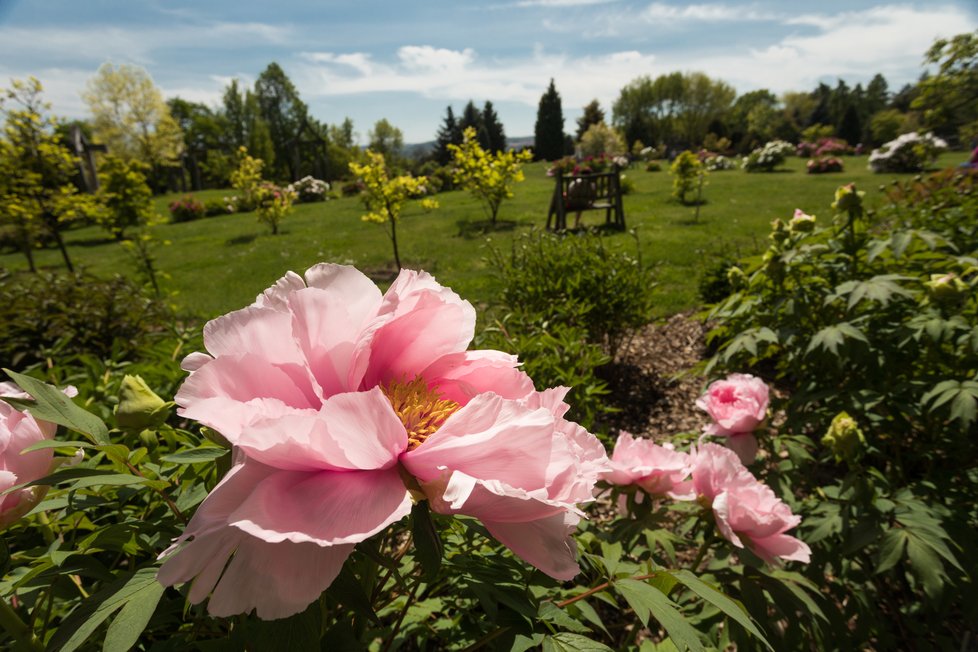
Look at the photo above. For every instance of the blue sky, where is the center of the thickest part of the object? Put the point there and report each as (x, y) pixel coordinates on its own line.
(407, 61)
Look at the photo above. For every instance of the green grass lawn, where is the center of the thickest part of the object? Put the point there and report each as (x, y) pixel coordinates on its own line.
(220, 263)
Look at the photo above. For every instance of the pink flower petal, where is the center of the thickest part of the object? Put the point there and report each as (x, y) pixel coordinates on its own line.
(326, 508)
(781, 545)
(277, 296)
(253, 329)
(745, 445)
(461, 376)
(545, 543)
(490, 438)
(352, 431)
(276, 579)
(242, 378)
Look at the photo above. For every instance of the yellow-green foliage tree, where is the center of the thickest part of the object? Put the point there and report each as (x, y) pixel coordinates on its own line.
(126, 198)
(688, 172)
(601, 139)
(130, 116)
(489, 177)
(384, 196)
(272, 203)
(37, 194)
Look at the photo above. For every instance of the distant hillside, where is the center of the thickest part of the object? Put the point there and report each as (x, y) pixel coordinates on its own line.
(420, 150)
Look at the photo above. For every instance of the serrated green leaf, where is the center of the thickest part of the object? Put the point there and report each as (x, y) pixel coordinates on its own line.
(94, 610)
(52, 405)
(590, 614)
(125, 628)
(551, 613)
(567, 642)
(722, 602)
(891, 549)
(926, 566)
(648, 601)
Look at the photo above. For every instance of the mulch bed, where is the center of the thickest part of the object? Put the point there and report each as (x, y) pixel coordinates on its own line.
(652, 383)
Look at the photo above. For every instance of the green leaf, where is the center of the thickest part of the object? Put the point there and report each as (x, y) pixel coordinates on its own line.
(299, 632)
(427, 542)
(832, 337)
(124, 630)
(82, 477)
(926, 567)
(348, 591)
(92, 612)
(962, 396)
(891, 549)
(721, 601)
(52, 405)
(551, 613)
(567, 642)
(590, 614)
(879, 289)
(55, 443)
(195, 455)
(648, 601)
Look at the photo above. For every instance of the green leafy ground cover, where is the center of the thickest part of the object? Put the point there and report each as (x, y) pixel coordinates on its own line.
(215, 264)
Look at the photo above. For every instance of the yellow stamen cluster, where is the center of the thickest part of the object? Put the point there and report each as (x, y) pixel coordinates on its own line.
(421, 409)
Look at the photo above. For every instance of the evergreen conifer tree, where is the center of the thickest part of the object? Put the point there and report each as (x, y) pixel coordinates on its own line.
(549, 129)
(495, 135)
(449, 134)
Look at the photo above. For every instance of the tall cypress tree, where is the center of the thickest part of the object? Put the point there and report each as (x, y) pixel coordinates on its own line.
(549, 129)
(494, 129)
(449, 134)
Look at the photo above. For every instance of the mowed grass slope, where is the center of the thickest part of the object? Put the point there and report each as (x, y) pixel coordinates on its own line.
(220, 263)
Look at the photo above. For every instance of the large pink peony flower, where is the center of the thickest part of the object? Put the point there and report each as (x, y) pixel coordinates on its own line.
(746, 511)
(19, 430)
(342, 405)
(657, 470)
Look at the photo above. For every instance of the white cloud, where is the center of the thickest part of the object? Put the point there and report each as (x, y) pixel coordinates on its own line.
(425, 57)
(659, 12)
(559, 3)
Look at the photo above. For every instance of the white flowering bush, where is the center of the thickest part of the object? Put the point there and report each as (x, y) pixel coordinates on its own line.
(717, 163)
(309, 189)
(765, 159)
(907, 153)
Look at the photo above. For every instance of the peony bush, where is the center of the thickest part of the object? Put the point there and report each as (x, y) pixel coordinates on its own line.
(768, 157)
(343, 470)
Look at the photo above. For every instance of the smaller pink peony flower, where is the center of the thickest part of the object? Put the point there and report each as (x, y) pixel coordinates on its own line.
(20, 430)
(747, 512)
(658, 470)
(737, 404)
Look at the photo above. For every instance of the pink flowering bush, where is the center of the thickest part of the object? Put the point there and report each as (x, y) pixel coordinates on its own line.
(345, 407)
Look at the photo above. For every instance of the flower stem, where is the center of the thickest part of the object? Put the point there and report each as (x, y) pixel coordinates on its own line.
(17, 629)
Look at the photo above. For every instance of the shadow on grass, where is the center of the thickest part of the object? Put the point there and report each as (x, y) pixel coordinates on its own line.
(469, 229)
(247, 238)
(94, 241)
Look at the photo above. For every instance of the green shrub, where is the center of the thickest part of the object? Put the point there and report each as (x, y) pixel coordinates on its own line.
(214, 207)
(869, 328)
(186, 209)
(578, 280)
(688, 173)
(61, 315)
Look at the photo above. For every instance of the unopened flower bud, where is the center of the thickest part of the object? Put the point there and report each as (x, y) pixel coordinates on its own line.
(801, 222)
(847, 198)
(139, 407)
(844, 438)
(946, 289)
(736, 277)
